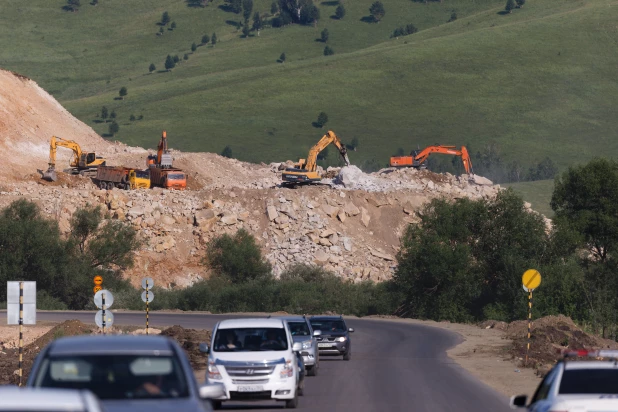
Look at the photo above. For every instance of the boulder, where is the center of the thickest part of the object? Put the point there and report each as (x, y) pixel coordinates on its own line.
(327, 233)
(321, 257)
(347, 244)
(272, 212)
(341, 215)
(330, 210)
(349, 175)
(351, 209)
(136, 211)
(481, 181)
(381, 255)
(168, 220)
(365, 218)
(229, 219)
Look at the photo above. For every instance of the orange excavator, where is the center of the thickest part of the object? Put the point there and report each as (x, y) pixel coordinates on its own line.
(418, 157)
(162, 172)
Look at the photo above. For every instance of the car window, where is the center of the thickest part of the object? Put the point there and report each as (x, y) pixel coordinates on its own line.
(299, 329)
(589, 381)
(542, 391)
(328, 325)
(115, 376)
(250, 339)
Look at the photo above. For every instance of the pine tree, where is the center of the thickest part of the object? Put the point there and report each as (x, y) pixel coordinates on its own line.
(123, 92)
(193, 47)
(152, 67)
(324, 35)
(173, 25)
(205, 39)
(328, 51)
(169, 63)
(104, 113)
(377, 11)
(282, 58)
(340, 12)
(165, 18)
(213, 39)
(510, 5)
(520, 3)
(322, 119)
(113, 128)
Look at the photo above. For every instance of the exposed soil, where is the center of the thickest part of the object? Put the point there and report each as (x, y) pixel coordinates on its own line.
(189, 340)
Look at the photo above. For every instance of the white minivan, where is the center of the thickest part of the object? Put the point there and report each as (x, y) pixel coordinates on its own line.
(255, 359)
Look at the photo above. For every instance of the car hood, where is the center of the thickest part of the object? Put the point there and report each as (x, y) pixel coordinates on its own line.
(153, 405)
(253, 357)
(301, 338)
(332, 335)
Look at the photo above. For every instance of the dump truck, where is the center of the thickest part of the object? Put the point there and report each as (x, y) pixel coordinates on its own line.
(168, 178)
(109, 177)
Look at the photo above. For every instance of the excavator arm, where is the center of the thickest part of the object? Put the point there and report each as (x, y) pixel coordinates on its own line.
(328, 138)
(80, 162)
(57, 141)
(418, 158)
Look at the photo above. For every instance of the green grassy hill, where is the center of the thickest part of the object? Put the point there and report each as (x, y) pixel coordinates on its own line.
(539, 81)
(537, 193)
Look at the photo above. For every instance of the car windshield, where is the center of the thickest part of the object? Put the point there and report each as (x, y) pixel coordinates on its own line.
(299, 329)
(589, 381)
(142, 174)
(115, 376)
(250, 339)
(175, 176)
(326, 326)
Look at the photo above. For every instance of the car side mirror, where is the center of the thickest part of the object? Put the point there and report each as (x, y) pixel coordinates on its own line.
(212, 390)
(350, 329)
(297, 347)
(317, 333)
(204, 348)
(518, 401)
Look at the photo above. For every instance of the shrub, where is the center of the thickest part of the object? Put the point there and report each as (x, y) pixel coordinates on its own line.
(205, 39)
(340, 12)
(328, 51)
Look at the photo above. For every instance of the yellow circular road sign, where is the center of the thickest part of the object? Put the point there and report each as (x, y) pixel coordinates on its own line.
(97, 288)
(531, 279)
(98, 280)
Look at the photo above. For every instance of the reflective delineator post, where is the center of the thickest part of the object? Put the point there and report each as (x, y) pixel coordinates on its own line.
(21, 330)
(103, 310)
(146, 308)
(529, 325)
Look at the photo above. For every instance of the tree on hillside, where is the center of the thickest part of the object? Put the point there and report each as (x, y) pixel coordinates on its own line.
(213, 39)
(169, 63)
(354, 143)
(113, 128)
(205, 39)
(246, 30)
(122, 92)
(328, 51)
(324, 36)
(176, 58)
(453, 17)
(165, 18)
(193, 47)
(322, 119)
(161, 31)
(173, 25)
(377, 11)
(104, 113)
(247, 9)
(258, 23)
(299, 11)
(72, 5)
(274, 8)
(132, 118)
(185, 57)
(227, 152)
(234, 6)
(152, 67)
(282, 58)
(112, 115)
(510, 5)
(94, 2)
(520, 3)
(340, 12)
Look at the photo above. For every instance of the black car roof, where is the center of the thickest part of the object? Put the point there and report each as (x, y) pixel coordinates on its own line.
(111, 345)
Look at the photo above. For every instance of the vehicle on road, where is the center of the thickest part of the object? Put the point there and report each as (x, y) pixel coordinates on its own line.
(302, 332)
(127, 373)
(48, 400)
(582, 386)
(255, 359)
(334, 337)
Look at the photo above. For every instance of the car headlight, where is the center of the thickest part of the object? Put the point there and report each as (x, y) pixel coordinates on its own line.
(307, 344)
(340, 339)
(213, 371)
(288, 370)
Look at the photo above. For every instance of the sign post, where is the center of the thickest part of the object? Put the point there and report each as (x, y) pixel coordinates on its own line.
(21, 310)
(103, 299)
(147, 296)
(531, 280)
(98, 281)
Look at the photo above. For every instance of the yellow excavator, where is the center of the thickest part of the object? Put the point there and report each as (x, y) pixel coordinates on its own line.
(305, 170)
(82, 163)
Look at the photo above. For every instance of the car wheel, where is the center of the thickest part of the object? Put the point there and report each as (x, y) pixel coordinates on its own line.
(347, 355)
(312, 371)
(216, 405)
(292, 403)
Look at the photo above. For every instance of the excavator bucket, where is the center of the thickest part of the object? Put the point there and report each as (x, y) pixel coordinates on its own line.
(50, 175)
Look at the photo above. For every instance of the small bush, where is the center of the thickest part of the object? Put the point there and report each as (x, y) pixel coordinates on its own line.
(328, 51)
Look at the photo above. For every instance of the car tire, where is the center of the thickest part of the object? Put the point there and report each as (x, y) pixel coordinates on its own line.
(216, 405)
(347, 355)
(312, 371)
(292, 403)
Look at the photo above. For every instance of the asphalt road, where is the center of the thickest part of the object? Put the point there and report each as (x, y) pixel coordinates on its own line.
(394, 367)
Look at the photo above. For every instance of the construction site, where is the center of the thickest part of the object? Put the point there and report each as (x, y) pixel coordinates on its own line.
(343, 219)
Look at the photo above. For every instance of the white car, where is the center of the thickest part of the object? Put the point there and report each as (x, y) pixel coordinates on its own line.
(577, 386)
(255, 359)
(47, 400)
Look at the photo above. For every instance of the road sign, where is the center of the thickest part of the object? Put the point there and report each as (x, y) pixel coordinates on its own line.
(526, 289)
(147, 282)
(531, 279)
(150, 296)
(98, 280)
(97, 288)
(28, 303)
(109, 318)
(98, 299)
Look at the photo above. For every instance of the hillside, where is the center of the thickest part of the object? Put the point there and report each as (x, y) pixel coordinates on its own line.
(539, 81)
(537, 193)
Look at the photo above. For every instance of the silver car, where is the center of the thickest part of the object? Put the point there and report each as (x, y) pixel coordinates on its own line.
(49, 400)
(302, 332)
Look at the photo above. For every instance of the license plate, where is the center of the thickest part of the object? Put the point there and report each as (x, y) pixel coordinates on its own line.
(250, 388)
(324, 345)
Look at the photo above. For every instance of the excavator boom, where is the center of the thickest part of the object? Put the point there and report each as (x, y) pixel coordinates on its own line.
(305, 170)
(80, 162)
(417, 159)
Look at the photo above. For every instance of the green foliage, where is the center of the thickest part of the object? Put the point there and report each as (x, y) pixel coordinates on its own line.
(185, 57)
(132, 118)
(453, 17)
(404, 30)
(235, 6)
(377, 11)
(104, 113)
(322, 118)
(354, 143)
(258, 23)
(371, 165)
(176, 58)
(152, 68)
(122, 92)
(247, 9)
(72, 5)
(246, 30)
(328, 51)
(161, 30)
(282, 58)
(169, 63)
(227, 152)
(520, 3)
(94, 2)
(400, 152)
(298, 11)
(193, 47)
(165, 18)
(274, 8)
(324, 35)
(237, 258)
(114, 128)
(44, 301)
(510, 5)
(205, 39)
(213, 39)
(340, 12)
(173, 25)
